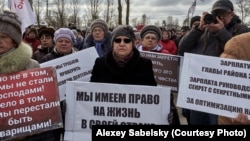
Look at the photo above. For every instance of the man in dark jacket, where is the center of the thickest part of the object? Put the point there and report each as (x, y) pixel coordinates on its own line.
(209, 39)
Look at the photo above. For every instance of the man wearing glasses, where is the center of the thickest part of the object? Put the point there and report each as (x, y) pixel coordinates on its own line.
(209, 39)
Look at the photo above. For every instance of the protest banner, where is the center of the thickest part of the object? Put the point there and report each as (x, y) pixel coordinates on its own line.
(166, 68)
(215, 85)
(72, 67)
(112, 104)
(29, 103)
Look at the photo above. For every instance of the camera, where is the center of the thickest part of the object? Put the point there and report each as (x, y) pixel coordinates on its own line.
(210, 18)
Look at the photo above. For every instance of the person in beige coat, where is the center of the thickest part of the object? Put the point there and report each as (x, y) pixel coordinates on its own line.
(237, 47)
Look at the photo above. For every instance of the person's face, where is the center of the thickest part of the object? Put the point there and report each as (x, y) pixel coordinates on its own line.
(165, 35)
(196, 23)
(225, 16)
(122, 46)
(149, 41)
(46, 41)
(137, 42)
(32, 35)
(98, 34)
(64, 45)
(6, 43)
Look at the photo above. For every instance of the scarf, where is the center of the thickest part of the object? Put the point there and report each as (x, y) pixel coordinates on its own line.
(98, 47)
(122, 61)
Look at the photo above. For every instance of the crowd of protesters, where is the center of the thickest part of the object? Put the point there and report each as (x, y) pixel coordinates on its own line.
(20, 52)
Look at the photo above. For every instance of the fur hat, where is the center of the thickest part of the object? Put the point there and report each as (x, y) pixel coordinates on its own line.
(123, 30)
(151, 29)
(10, 24)
(66, 33)
(99, 23)
(223, 5)
(47, 31)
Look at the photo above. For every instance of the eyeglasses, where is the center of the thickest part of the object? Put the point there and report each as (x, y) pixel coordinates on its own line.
(100, 30)
(119, 40)
(45, 38)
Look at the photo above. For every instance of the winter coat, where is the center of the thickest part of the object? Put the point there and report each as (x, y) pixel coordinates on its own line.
(106, 47)
(138, 71)
(41, 52)
(208, 43)
(236, 48)
(18, 59)
(211, 44)
(169, 47)
(54, 54)
(34, 43)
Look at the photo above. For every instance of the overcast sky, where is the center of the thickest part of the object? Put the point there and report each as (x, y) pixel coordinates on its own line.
(157, 10)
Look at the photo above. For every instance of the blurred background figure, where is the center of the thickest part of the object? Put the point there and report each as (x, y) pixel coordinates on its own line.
(32, 39)
(99, 37)
(138, 39)
(168, 45)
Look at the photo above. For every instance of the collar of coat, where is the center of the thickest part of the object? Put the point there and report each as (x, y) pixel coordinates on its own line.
(16, 60)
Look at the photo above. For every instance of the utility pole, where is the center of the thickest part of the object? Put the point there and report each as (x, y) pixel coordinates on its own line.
(47, 5)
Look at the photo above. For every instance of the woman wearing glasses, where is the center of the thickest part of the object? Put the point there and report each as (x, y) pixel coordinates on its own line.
(123, 64)
(46, 36)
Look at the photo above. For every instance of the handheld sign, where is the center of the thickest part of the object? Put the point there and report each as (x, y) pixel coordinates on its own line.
(29, 103)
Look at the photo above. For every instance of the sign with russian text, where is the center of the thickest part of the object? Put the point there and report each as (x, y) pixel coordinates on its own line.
(166, 68)
(215, 85)
(112, 104)
(29, 103)
(72, 67)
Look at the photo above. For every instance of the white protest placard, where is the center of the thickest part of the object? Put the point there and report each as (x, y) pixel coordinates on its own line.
(215, 85)
(166, 68)
(75, 66)
(112, 104)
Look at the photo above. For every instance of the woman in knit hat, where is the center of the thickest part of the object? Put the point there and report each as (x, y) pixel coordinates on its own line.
(123, 64)
(64, 40)
(150, 36)
(99, 37)
(15, 55)
(46, 37)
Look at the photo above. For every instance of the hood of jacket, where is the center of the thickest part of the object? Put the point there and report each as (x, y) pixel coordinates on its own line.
(16, 60)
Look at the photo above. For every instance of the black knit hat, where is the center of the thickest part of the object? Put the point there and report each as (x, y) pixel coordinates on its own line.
(123, 30)
(194, 19)
(99, 23)
(10, 24)
(151, 29)
(223, 5)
